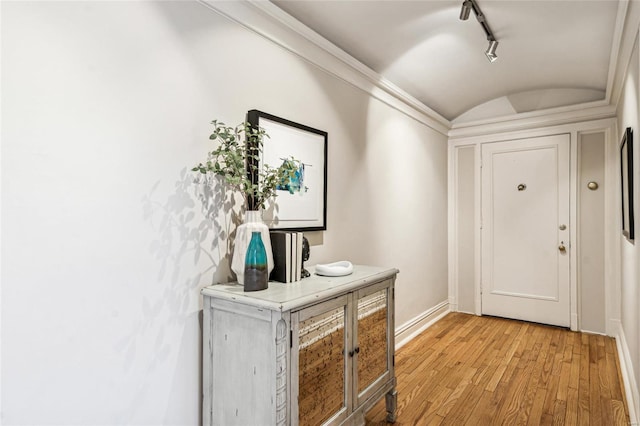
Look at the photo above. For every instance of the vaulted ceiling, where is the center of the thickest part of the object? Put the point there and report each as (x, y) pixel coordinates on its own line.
(550, 53)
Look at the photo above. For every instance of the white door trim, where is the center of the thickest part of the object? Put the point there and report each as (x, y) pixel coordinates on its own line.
(573, 231)
(477, 292)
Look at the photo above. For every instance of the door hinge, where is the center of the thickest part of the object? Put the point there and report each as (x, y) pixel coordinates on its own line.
(291, 338)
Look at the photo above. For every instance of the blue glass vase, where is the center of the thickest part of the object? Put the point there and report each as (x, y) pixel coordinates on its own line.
(252, 222)
(256, 270)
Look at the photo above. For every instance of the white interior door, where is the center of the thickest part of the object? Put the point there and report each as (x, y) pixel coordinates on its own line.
(525, 229)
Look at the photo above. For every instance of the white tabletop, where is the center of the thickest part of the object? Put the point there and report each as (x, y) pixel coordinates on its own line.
(284, 297)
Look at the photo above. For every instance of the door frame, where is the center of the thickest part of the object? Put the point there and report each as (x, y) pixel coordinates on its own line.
(612, 256)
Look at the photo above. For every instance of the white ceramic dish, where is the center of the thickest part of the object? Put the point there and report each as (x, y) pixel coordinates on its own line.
(335, 269)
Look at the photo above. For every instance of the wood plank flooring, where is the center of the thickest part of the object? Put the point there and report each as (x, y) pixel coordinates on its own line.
(470, 370)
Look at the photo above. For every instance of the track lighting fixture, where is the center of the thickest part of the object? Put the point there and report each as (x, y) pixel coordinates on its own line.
(469, 5)
(491, 51)
(466, 9)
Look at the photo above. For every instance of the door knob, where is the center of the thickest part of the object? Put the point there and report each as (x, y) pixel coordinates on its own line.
(562, 248)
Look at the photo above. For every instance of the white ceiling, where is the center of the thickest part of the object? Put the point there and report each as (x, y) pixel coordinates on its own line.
(550, 53)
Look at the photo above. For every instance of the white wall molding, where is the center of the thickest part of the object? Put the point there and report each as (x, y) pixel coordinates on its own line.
(507, 135)
(532, 120)
(616, 45)
(628, 377)
(272, 23)
(628, 33)
(412, 328)
(452, 229)
(574, 287)
(269, 21)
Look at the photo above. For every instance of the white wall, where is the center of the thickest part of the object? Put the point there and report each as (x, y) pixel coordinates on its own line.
(465, 215)
(630, 255)
(591, 232)
(105, 240)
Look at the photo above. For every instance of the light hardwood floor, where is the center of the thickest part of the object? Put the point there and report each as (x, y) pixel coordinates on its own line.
(475, 370)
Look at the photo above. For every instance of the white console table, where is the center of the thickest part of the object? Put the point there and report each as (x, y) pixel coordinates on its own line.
(317, 351)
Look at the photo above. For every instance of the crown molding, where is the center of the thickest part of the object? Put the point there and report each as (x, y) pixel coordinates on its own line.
(616, 44)
(272, 23)
(582, 127)
(628, 33)
(535, 119)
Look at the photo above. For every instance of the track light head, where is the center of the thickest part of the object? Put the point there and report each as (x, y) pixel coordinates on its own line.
(467, 6)
(491, 51)
(466, 9)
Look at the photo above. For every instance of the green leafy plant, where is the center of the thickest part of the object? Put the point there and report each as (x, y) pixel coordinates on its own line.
(237, 160)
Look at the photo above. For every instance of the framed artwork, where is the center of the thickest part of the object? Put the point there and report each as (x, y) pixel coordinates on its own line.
(302, 205)
(626, 171)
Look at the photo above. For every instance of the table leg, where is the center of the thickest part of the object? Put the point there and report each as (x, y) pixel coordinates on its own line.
(391, 399)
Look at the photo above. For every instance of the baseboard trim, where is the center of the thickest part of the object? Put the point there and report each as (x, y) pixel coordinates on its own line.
(628, 377)
(600, 333)
(407, 331)
(574, 322)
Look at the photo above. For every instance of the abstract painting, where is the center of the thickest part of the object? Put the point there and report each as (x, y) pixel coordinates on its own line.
(301, 204)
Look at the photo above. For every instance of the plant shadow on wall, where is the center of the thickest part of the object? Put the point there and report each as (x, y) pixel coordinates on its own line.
(184, 241)
(194, 225)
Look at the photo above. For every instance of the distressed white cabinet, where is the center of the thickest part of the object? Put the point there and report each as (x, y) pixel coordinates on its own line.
(319, 351)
